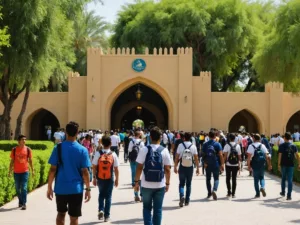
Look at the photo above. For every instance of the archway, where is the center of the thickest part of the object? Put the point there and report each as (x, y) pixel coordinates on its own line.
(294, 122)
(150, 107)
(246, 119)
(40, 121)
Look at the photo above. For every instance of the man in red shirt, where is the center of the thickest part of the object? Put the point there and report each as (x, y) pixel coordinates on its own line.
(20, 157)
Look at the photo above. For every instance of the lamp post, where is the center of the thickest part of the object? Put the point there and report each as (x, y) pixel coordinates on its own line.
(138, 93)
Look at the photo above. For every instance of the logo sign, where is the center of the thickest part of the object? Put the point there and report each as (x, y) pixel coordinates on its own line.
(139, 65)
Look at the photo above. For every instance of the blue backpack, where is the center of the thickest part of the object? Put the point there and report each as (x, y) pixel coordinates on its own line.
(210, 157)
(153, 167)
(259, 158)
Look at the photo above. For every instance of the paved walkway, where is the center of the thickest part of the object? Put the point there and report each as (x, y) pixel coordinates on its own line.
(242, 210)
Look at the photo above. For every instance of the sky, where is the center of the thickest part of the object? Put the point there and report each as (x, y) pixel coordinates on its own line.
(111, 7)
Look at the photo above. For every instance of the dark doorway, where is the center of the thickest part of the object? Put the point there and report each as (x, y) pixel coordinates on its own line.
(143, 100)
(294, 123)
(40, 122)
(246, 119)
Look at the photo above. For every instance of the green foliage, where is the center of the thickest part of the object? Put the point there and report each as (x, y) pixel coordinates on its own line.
(222, 33)
(275, 163)
(41, 167)
(279, 53)
(34, 145)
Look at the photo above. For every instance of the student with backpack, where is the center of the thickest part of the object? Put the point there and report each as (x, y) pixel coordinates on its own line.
(213, 163)
(106, 175)
(154, 162)
(288, 152)
(21, 157)
(134, 147)
(257, 158)
(232, 155)
(187, 155)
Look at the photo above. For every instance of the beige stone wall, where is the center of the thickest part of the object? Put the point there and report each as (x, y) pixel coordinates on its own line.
(191, 105)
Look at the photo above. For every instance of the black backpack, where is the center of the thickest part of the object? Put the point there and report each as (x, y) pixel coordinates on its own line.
(233, 155)
(290, 154)
(135, 151)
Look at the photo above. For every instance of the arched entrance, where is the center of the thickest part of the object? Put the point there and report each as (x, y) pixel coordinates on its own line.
(246, 119)
(139, 102)
(40, 121)
(294, 122)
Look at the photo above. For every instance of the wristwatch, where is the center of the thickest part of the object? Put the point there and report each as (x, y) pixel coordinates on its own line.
(87, 189)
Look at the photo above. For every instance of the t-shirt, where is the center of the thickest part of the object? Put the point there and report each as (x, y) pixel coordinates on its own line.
(217, 147)
(136, 141)
(297, 136)
(20, 159)
(75, 157)
(187, 144)
(88, 145)
(57, 136)
(245, 142)
(97, 137)
(227, 149)
(251, 149)
(97, 156)
(166, 162)
(115, 140)
(285, 161)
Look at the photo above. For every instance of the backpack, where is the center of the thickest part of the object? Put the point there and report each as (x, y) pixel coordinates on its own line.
(187, 156)
(249, 140)
(14, 153)
(135, 151)
(259, 158)
(290, 154)
(233, 156)
(153, 167)
(210, 156)
(105, 166)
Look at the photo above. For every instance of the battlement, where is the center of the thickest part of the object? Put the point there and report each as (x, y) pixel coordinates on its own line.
(273, 86)
(73, 74)
(131, 51)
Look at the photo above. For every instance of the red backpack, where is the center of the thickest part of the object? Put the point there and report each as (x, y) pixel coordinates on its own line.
(105, 166)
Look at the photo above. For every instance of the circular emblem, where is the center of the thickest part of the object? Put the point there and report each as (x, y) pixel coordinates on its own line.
(139, 65)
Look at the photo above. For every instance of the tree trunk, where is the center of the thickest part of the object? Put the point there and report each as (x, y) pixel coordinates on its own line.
(18, 130)
(248, 87)
(5, 120)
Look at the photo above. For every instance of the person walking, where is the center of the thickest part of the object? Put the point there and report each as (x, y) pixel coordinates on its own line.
(257, 158)
(287, 154)
(213, 163)
(154, 162)
(69, 166)
(21, 156)
(187, 155)
(105, 175)
(115, 142)
(232, 155)
(135, 145)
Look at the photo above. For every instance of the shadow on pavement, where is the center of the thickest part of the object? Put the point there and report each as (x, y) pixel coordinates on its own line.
(277, 203)
(8, 210)
(122, 203)
(92, 223)
(129, 221)
(125, 188)
(169, 208)
(295, 221)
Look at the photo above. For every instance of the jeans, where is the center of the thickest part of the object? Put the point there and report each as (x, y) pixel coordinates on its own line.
(133, 172)
(115, 149)
(216, 172)
(185, 178)
(125, 154)
(105, 193)
(21, 180)
(153, 198)
(258, 175)
(287, 174)
(231, 171)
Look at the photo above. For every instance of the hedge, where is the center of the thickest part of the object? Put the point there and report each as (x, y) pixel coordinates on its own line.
(40, 164)
(34, 145)
(275, 163)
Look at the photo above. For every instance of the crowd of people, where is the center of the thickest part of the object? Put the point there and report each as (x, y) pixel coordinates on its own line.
(85, 158)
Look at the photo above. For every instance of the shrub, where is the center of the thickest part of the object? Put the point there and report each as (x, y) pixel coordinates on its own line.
(275, 163)
(34, 145)
(40, 164)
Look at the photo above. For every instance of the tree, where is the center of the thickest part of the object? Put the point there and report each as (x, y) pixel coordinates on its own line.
(278, 56)
(222, 33)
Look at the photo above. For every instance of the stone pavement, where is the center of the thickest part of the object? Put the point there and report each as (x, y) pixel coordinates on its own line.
(242, 210)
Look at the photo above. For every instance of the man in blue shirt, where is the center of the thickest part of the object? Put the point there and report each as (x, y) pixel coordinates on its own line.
(213, 163)
(69, 166)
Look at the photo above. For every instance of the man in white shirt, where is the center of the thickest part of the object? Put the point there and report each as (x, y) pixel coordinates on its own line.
(97, 137)
(115, 142)
(49, 132)
(155, 179)
(232, 155)
(105, 185)
(187, 155)
(57, 136)
(296, 136)
(134, 147)
(257, 156)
